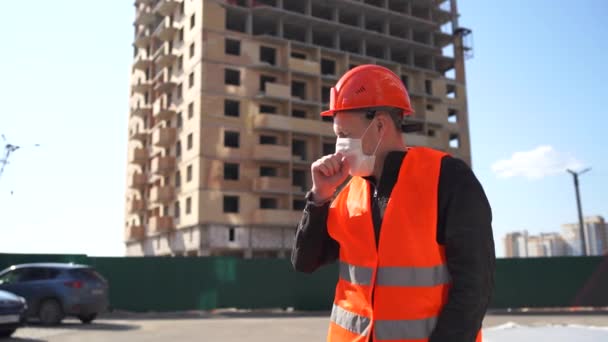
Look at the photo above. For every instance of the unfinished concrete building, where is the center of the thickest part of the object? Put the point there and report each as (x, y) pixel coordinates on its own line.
(225, 102)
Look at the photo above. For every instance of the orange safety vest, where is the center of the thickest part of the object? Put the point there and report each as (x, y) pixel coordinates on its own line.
(406, 274)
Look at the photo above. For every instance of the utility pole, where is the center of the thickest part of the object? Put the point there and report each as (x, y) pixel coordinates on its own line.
(580, 211)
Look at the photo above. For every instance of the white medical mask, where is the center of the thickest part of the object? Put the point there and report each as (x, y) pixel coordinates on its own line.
(361, 164)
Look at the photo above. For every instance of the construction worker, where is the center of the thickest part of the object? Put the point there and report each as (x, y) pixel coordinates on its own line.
(411, 229)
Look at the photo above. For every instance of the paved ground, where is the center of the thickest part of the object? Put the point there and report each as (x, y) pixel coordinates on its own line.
(235, 327)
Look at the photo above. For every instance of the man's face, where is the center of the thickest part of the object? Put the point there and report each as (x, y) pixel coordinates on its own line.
(353, 125)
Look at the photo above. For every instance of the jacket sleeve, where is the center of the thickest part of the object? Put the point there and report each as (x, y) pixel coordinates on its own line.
(465, 230)
(313, 247)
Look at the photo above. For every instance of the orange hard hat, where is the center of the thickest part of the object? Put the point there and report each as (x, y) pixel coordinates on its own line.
(368, 86)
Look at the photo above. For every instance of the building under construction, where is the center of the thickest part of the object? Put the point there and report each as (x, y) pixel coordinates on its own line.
(225, 101)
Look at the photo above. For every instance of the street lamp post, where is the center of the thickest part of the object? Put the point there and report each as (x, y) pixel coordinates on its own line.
(580, 211)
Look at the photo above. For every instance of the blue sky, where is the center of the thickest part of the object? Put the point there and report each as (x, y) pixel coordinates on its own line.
(536, 88)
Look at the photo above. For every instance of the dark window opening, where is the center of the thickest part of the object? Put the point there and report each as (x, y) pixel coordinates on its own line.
(231, 234)
(298, 89)
(176, 210)
(323, 39)
(267, 171)
(398, 6)
(188, 205)
(297, 113)
(264, 79)
(421, 12)
(236, 21)
(233, 47)
(322, 12)
(454, 140)
(406, 81)
(232, 77)
(298, 148)
(298, 204)
(451, 91)
(295, 6)
(328, 148)
(264, 26)
(268, 140)
(232, 108)
(422, 61)
(269, 203)
(349, 19)
(231, 139)
(428, 87)
(268, 109)
(294, 33)
(452, 115)
(325, 94)
(299, 179)
(431, 133)
(268, 55)
(349, 45)
(430, 107)
(374, 25)
(376, 51)
(328, 67)
(231, 204)
(377, 3)
(298, 55)
(398, 31)
(231, 171)
(327, 118)
(422, 37)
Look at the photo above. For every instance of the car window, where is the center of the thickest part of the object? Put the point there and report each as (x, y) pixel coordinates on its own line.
(87, 274)
(12, 276)
(38, 273)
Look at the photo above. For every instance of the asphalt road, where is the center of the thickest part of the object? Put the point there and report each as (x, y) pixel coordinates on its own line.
(237, 327)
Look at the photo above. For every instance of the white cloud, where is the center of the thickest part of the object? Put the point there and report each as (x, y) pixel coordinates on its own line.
(535, 164)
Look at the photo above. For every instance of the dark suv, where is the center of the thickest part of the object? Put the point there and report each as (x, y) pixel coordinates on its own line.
(54, 291)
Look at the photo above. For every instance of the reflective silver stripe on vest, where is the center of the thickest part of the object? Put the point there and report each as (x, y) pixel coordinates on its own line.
(350, 321)
(404, 329)
(396, 276)
(358, 275)
(413, 276)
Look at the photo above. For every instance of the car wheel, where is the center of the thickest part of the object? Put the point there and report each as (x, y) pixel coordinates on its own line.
(50, 312)
(87, 319)
(7, 332)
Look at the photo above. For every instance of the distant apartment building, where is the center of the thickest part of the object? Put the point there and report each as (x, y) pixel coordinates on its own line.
(522, 245)
(596, 236)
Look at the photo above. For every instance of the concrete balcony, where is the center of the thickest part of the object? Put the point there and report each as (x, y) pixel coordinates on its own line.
(304, 66)
(166, 7)
(138, 156)
(141, 111)
(278, 153)
(276, 91)
(163, 165)
(166, 30)
(138, 134)
(272, 185)
(298, 125)
(134, 233)
(164, 136)
(162, 194)
(276, 217)
(145, 18)
(136, 206)
(160, 224)
(165, 82)
(164, 56)
(436, 117)
(164, 111)
(142, 38)
(137, 181)
(142, 62)
(142, 87)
